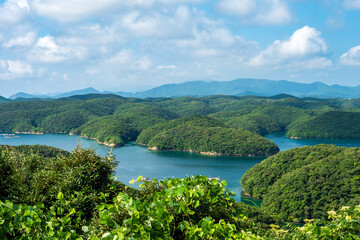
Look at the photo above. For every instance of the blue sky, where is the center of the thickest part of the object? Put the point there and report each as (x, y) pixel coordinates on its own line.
(51, 46)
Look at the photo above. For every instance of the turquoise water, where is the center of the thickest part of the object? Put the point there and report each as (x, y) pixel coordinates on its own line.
(285, 143)
(136, 160)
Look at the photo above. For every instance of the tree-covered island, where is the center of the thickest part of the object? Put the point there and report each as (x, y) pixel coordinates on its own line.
(205, 135)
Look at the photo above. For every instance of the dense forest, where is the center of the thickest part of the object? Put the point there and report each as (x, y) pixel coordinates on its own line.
(307, 182)
(47, 193)
(329, 124)
(115, 120)
(205, 135)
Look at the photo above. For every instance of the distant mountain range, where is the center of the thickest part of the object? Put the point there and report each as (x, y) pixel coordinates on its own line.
(243, 86)
(67, 94)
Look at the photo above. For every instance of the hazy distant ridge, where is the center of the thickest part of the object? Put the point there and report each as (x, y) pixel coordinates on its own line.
(251, 87)
(243, 86)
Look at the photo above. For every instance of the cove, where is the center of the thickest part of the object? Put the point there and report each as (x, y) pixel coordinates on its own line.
(135, 160)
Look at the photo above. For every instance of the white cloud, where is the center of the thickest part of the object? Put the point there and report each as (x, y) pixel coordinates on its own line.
(16, 30)
(142, 64)
(160, 24)
(264, 12)
(127, 60)
(122, 57)
(241, 8)
(313, 63)
(25, 40)
(352, 4)
(164, 67)
(213, 42)
(215, 37)
(47, 50)
(139, 24)
(13, 11)
(351, 57)
(19, 68)
(69, 10)
(304, 43)
(14, 69)
(94, 40)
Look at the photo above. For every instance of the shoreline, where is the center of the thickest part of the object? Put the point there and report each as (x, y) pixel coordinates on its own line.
(110, 145)
(291, 137)
(205, 153)
(34, 133)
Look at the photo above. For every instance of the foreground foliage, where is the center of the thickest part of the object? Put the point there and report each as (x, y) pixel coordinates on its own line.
(90, 204)
(34, 174)
(181, 209)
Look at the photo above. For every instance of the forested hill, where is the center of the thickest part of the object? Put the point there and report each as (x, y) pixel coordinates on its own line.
(115, 120)
(329, 124)
(207, 136)
(307, 182)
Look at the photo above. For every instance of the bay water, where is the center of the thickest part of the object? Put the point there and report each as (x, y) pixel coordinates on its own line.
(134, 160)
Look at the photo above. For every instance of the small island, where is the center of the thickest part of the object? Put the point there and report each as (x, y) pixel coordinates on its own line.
(207, 136)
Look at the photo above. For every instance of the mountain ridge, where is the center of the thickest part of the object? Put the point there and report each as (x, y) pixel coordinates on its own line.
(239, 87)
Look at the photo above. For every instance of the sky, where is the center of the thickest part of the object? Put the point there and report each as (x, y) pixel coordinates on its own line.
(49, 46)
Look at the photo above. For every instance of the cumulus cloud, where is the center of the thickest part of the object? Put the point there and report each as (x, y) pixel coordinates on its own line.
(352, 4)
(47, 50)
(313, 63)
(264, 12)
(241, 8)
(69, 10)
(126, 59)
(25, 40)
(94, 40)
(14, 69)
(351, 57)
(16, 30)
(13, 11)
(160, 24)
(165, 67)
(215, 37)
(214, 42)
(304, 43)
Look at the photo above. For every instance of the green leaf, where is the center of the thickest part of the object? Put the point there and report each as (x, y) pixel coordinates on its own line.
(182, 226)
(60, 196)
(197, 203)
(139, 178)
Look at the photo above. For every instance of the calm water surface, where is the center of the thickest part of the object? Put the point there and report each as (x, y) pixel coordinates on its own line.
(135, 160)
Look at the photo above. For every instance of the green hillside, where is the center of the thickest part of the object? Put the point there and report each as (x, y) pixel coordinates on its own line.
(307, 182)
(330, 124)
(91, 116)
(205, 135)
